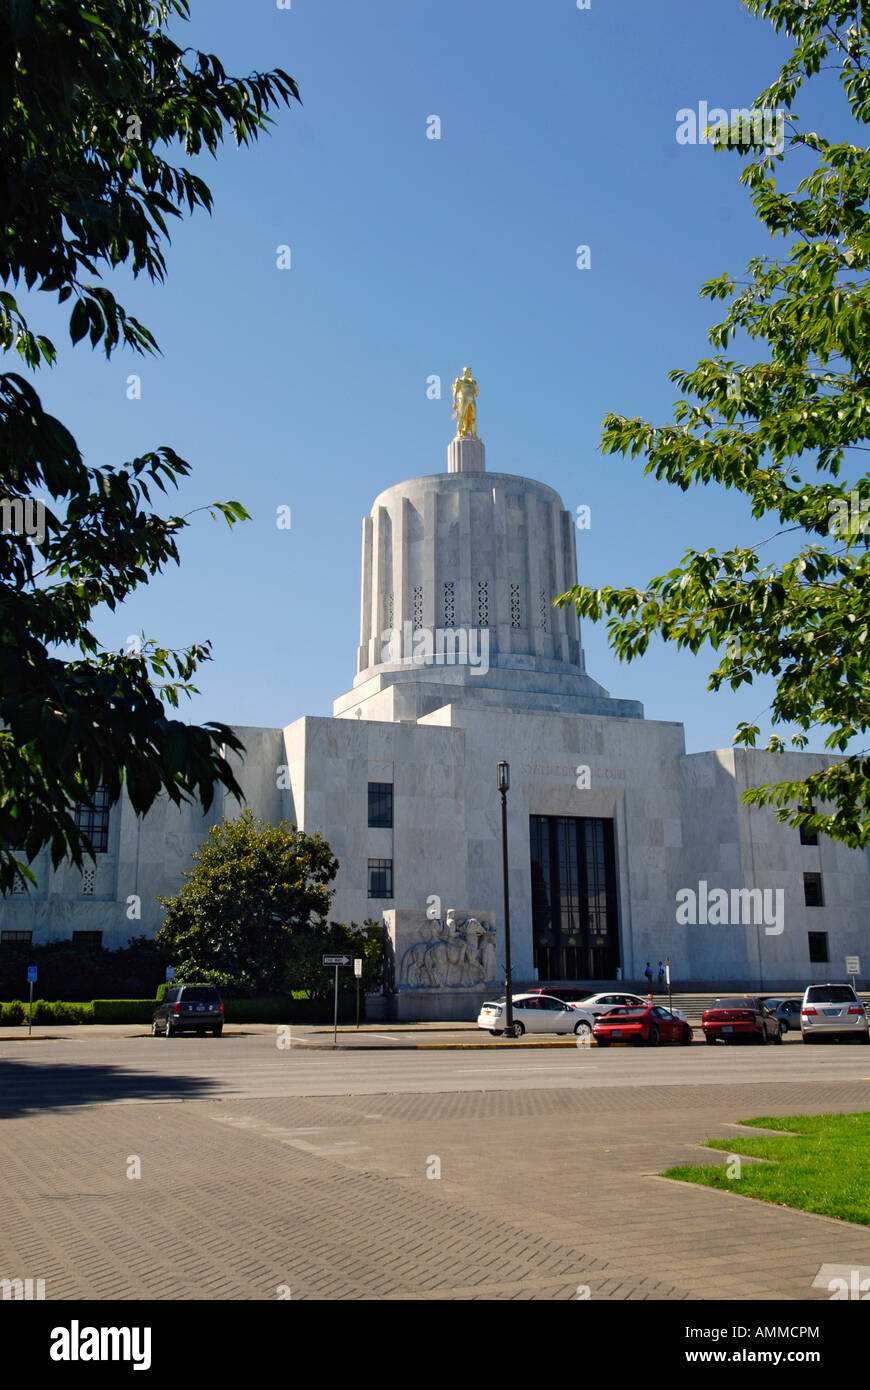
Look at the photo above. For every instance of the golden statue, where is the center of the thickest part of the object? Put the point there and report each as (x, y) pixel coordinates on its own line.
(464, 408)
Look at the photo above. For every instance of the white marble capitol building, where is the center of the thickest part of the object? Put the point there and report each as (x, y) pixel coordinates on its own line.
(622, 848)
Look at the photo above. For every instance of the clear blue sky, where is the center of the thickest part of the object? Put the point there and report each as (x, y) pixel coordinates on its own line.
(410, 256)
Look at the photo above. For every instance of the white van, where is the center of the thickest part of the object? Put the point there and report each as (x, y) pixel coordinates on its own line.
(833, 1011)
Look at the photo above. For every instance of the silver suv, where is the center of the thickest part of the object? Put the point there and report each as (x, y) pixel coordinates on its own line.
(833, 1011)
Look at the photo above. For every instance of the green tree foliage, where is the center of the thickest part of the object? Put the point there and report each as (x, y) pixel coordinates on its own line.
(786, 430)
(305, 968)
(94, 96)
(254, 888)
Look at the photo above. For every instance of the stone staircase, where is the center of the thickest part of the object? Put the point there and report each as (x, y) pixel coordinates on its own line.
(693, 1005)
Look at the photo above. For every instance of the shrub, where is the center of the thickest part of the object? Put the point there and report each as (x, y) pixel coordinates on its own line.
(61, 1011)
(13, 1012)
(123, 1010)
(277, 1009)
(70, 971)
(266, 1010)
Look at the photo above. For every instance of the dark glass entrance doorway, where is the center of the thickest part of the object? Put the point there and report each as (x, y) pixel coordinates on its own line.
(575, 923)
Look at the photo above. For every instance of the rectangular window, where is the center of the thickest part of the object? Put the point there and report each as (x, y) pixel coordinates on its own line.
(8, 938)
(574, 903)
(381, 805)
(380, 878)
(88, 938)
(808, 837)
(818, 947)
(93, 821)
(813, 890)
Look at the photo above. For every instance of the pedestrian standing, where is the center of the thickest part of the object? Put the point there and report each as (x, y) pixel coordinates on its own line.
(661, 978)
(648, 974)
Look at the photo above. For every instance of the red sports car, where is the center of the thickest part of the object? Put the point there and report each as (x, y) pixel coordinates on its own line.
(740, 1017)
(641, 1024)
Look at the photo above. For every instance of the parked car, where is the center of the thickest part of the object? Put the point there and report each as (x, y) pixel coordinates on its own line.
(639, 1024)
(833, 1011)
(535, 1013)
(788, 1011)
(189, 1009)
(569, 994)
(740, 1018)
(602, 1003)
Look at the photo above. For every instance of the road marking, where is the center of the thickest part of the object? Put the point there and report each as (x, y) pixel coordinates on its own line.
(339, 1146)
(311, 1129)
(388, 1036)
(827, 1273)
(485, 1071)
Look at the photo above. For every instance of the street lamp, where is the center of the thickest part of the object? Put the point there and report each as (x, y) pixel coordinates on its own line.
(504, 781)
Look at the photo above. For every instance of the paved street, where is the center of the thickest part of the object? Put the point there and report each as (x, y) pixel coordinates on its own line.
(307, 1169)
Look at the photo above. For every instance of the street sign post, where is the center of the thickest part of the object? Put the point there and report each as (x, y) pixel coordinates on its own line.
(357, 970)
(336, 961)
(668, 978)
(853, 967)
(170, 973)
(31, 980)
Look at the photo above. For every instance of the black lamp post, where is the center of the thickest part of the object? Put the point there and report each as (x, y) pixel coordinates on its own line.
(504, 781)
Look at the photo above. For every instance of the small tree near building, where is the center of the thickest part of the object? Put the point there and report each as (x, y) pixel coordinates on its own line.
(257, 893)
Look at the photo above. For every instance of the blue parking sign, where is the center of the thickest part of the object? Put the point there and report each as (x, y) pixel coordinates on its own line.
(31, 974)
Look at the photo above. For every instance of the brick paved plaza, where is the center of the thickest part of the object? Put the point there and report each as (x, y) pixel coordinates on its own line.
(307, 1169)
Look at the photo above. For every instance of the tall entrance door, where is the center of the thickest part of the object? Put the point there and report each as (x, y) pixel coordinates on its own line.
(575, 923)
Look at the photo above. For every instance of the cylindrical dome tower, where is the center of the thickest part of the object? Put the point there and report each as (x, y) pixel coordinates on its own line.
(459, 573)
(476, 551)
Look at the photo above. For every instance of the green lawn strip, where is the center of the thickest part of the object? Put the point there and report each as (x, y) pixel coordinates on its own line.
(823, 1166)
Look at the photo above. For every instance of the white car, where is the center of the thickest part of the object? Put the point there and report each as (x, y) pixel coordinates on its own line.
(833, 1011)
(600, 1003)
(536, 1013)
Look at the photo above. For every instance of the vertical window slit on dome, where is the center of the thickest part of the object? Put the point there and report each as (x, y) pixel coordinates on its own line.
(515, 605)
(482, 603)
(545, 611)
(449, 616)
(418, 607)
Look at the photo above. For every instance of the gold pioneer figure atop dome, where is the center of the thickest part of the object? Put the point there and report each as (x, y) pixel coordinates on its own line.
(464, 407)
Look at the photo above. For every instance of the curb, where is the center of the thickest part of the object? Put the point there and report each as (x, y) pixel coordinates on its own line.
(462, 1046)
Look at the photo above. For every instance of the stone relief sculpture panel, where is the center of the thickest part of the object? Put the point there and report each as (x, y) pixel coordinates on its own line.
(450, 954)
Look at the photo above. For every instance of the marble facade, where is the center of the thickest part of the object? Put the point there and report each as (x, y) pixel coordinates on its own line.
(478, 557)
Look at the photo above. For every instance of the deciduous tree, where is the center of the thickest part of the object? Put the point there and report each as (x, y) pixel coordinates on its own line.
(253, 889)
(787, 430)
(94, 97)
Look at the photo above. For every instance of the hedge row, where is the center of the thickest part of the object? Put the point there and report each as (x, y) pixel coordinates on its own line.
(65, 1011)
(270, 1010)
(46, 1011)
(273, 1010)
(123, 1010)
